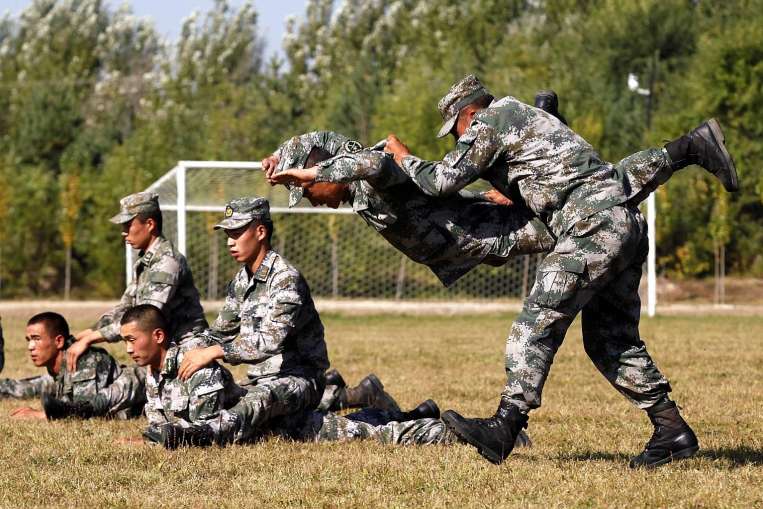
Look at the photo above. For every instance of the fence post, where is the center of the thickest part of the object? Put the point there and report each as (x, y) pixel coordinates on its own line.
(180, 182)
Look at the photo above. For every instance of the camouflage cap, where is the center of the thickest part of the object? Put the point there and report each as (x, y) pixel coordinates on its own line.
(242, 211)
(294, 154)
(466, 91)
(134, 204)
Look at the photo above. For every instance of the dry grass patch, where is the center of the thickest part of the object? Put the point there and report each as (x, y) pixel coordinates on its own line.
(584, 434)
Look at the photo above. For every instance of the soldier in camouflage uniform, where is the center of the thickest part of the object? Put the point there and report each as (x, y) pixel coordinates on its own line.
(176, 409)
(97, 387)
(161, 276)
(595, 266)
(269, 322)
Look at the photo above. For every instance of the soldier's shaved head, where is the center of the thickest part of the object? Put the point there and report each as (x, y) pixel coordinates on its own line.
(55, 324)
(146, 316)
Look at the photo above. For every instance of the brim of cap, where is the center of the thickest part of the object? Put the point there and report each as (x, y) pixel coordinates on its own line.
(295, 195)
(122, 218)
(447, 127)
(232, 224)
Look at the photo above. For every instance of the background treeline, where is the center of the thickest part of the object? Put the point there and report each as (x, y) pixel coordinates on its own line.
(95, 105)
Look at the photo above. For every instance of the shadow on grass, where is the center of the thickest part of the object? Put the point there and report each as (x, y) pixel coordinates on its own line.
(738, 456)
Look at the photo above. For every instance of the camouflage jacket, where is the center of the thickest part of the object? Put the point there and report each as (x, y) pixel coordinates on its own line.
(515, 146)
(96, 370)
(269, 321)
(161, 277)
(170, 399)
(451, 235)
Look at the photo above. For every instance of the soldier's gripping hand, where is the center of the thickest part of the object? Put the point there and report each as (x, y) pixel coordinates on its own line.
(269, 165)
(28, 413)
(397, 148)
(295, 177)
(84, 339)
(197, 359)
(495, 196)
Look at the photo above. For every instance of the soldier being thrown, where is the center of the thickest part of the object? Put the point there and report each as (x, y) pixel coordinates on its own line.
(595, 266)
(98, 386)
(183, 412)
(161, 277)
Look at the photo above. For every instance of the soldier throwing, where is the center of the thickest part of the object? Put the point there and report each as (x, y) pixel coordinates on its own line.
(99, 386)
(161, 277)
(595, 266)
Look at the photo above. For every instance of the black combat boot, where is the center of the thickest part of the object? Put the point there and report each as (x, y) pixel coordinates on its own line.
(368, 393)
(426, 410)
(493, 437)
(56, 409)
(174, 435)
(334, 378)
(672, 438)
(548, 101)
(705, 146)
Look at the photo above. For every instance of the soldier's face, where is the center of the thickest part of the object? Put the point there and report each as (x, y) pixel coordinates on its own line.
(142, 346)
(325, 193)
(137, 233)
(245, 243)
(43, 348)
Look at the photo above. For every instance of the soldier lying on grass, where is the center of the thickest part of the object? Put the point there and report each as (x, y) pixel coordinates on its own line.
(98, 386)
(184, 412)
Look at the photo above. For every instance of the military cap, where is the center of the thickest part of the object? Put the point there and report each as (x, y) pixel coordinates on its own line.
(242, 211)
(465, 92)
(134, 204)
(294, 154)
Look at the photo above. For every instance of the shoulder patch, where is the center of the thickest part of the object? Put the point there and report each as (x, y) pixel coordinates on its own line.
(352, 147)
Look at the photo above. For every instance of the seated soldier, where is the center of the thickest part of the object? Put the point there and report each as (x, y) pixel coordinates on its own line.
(97, 387)
(181, 412)
(161, 276)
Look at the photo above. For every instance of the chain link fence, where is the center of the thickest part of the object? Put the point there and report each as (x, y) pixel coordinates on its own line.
(339, 255)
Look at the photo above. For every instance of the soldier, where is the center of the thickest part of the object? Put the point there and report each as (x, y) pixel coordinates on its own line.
(595, 266)
(178, 409)
(97, 387)
(161, 276)
(269, 322)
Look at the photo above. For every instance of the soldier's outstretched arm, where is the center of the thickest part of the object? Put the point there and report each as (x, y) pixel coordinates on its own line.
(26, 388)
(475, 152)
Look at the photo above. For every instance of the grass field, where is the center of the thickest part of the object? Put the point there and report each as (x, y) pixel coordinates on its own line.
(584, 434)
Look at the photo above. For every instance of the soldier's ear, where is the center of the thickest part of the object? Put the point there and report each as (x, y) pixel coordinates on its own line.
(60, 341)
(151, 224)
(159, 336)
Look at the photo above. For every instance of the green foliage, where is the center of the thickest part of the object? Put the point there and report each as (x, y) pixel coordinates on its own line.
(95, 106)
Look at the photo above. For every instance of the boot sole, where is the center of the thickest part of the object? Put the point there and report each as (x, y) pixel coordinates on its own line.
(733, 181)
(485, 452)
(678, 455)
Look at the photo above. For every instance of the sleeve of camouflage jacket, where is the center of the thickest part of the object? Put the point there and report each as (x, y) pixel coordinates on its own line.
(108, 323)
(26, 388)
(377, 168)
(162, 283)
(228, 321)
(206, 393)
(475, 152)
(279, 318)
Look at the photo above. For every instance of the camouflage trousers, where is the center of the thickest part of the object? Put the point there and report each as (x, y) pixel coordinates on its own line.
(264, 402)
(595, 269)
(126, 396)
(25, 388)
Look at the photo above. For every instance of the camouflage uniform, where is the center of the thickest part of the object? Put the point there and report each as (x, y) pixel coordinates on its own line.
(98, 379)
(198, 399)
(161, 277)
(269, 321)
(451, 235)
(601, 241)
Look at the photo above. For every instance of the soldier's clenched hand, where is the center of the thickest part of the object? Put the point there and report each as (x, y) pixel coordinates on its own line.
(269, 165)
(495, 196)
(397, 148)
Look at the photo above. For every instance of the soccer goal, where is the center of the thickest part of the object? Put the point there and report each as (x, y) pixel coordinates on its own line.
(340, 256)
